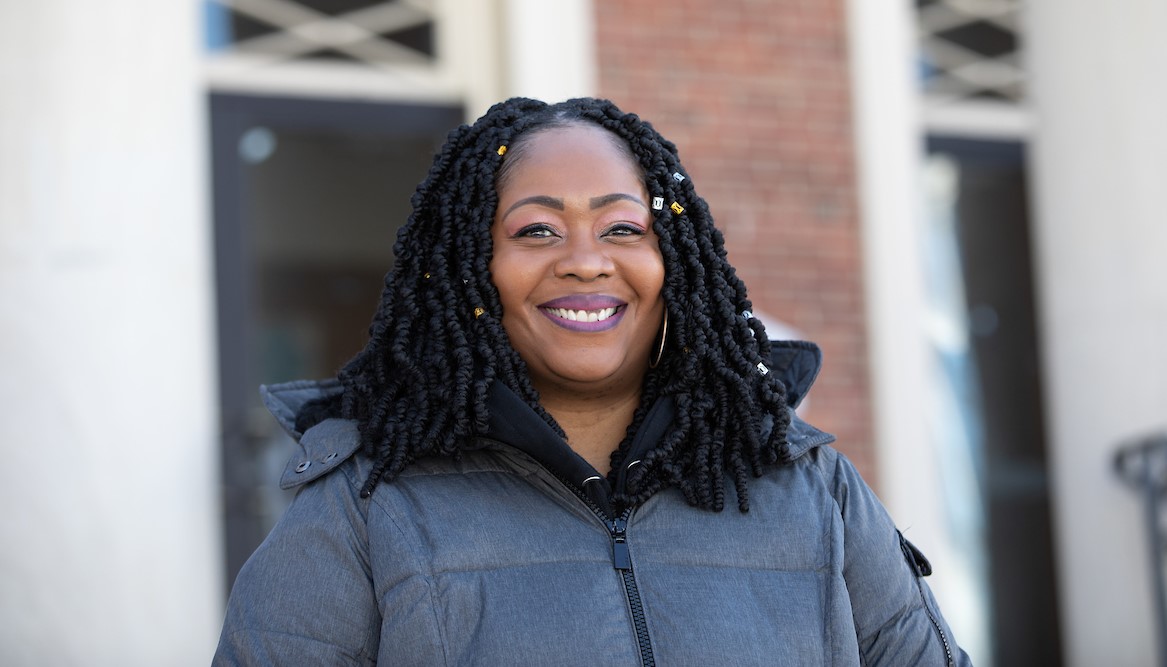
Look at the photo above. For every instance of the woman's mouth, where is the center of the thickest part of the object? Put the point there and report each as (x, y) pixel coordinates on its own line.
(586, 313)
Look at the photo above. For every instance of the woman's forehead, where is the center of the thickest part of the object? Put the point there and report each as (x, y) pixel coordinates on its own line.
(572, 159)
(564, 146)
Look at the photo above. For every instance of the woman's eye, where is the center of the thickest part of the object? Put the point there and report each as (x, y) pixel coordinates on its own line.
(624, 229)
(536, 231)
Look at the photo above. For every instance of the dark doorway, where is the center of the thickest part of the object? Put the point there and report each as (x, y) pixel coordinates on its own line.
(991, 225)
(308, 198)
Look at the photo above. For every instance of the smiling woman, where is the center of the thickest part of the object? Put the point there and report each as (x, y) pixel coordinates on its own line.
(528, 462)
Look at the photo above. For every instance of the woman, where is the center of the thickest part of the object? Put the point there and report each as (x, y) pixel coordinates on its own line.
(529, 461)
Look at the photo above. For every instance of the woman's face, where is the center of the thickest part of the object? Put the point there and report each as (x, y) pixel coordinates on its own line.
(576, 263)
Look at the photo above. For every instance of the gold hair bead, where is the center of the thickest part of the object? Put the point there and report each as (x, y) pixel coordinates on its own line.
(502, 150)
(677, 208)
(478, 312)
(427, 276)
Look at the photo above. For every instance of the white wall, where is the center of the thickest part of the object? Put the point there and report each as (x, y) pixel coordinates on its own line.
(110, 532)
(1099, 86)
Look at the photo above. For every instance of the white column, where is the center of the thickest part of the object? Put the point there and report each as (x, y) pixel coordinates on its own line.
(889, 148)
(889, 158)
(109, 481)
(1101, 232)
(470, 41)
(549, 48)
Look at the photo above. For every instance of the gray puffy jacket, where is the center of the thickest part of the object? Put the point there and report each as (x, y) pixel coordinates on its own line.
(495, 559)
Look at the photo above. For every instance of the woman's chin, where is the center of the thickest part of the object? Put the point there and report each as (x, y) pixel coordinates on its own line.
(588, 377)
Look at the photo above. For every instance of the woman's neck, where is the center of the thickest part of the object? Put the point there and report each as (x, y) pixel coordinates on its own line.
(595, 425)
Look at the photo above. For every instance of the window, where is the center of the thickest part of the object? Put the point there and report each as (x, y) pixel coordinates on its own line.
(366, 33)
(971, 50)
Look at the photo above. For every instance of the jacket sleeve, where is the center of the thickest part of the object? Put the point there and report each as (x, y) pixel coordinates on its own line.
(897, 620)
(305, 597)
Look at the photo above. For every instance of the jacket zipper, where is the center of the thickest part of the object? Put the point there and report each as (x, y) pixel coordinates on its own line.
(623, 563)
(936, 624)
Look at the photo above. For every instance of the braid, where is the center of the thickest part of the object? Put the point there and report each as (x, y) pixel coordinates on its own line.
(419, 387)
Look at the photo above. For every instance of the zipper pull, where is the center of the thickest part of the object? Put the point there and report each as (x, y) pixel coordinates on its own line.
(620, 558)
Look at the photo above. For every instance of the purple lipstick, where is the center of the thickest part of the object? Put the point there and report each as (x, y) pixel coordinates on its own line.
(584, 312)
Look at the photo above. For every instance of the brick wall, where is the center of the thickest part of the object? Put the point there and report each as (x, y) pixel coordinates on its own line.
(756, 96)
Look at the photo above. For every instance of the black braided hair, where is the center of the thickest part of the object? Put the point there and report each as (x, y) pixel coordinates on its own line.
(437, 344)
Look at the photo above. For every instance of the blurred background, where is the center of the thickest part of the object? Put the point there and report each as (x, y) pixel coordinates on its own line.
(961, 201)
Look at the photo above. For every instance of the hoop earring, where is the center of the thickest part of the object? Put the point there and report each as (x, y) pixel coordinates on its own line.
(660, 350)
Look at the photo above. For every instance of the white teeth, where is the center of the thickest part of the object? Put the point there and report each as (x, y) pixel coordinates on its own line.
(583, 315)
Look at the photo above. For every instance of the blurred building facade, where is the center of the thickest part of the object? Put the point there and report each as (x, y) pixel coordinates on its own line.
(957, 199)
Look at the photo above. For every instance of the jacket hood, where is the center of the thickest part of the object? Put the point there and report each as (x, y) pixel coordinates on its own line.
(797, 363)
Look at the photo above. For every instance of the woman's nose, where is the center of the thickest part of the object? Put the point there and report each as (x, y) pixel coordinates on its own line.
(584, 259)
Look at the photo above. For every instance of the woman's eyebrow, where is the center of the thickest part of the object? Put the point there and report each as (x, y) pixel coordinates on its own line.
(604, 200)
(541, 200)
